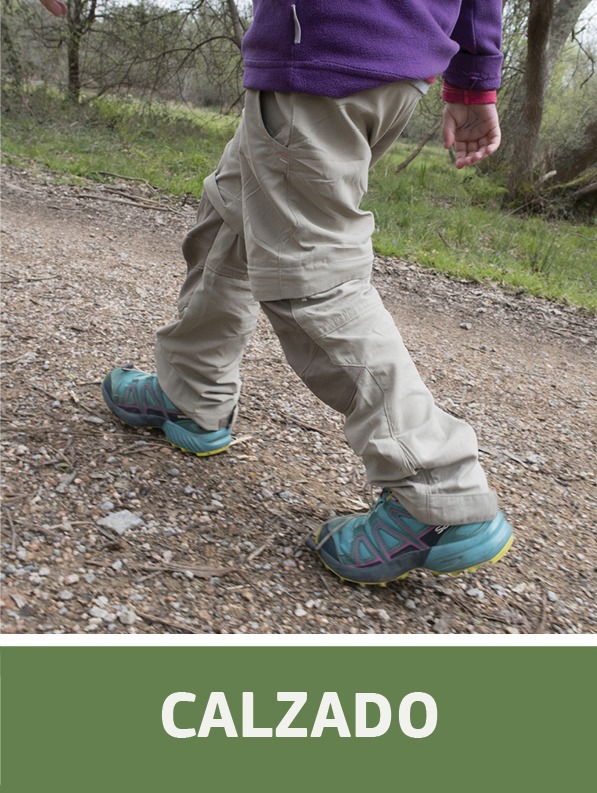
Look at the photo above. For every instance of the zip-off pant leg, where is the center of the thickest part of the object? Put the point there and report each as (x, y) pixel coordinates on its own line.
(198, 357)
(345, 347)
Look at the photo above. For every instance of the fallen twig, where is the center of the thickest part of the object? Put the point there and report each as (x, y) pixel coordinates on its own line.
(172, 567)
(146, 205)
(161, 621)
(289, 419)
(127, 178)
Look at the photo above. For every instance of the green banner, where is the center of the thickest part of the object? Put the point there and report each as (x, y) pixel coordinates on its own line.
(297, 718)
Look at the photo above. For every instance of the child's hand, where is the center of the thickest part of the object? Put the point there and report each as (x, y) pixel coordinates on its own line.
(56, 7)
(473, 130)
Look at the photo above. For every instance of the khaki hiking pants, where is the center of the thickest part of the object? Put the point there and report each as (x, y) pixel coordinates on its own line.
(280, 225)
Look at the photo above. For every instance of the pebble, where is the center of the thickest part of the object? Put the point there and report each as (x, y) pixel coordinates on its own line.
(128, 617)
(121, 521)
(99, 613)
(552, 597)
(475, 593)
(101, 600)
(300, 612)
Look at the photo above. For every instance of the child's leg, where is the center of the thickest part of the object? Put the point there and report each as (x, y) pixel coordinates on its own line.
(304, 162)
(346, 348)
(198, 356)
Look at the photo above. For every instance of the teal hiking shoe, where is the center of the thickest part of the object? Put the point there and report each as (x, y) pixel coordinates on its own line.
(387, 543)
(136, 398)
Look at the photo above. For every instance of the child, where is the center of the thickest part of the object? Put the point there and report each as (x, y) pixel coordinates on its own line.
(330, 86)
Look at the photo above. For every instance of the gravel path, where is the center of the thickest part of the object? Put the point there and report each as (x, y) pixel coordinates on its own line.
(111, 530)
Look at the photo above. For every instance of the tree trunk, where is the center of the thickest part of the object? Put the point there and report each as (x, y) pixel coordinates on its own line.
(74, 68)
(13, 58)
(236, 23)
(81, 16)
(541, 15)
(565, 17)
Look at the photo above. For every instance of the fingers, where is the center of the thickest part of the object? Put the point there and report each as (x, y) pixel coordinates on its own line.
(55, 7)
(471, 152)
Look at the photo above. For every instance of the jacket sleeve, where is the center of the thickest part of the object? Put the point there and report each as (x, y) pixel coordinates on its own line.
(478, 32)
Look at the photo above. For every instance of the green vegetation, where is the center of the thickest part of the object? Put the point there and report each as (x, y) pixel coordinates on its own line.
(452, 221)
(174, 149)
(430, 213)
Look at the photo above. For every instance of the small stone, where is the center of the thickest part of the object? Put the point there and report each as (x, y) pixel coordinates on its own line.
(475, 593)
(411, 604)
(72, 579)
(552, 597)
(117, 565)
(98, 613)
(300, 612)
(465, 325)
(101, 600)
(121, 521)
(66, 594)
(441, 624)
(128, 617)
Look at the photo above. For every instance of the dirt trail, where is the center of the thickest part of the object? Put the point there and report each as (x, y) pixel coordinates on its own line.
(88, 276)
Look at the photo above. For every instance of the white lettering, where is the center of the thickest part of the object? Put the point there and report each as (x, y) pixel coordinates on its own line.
(361, 729)
(330, 702)
(284, 730)
(168, 715)
(217, 701)
(249, 729)
(430, 715)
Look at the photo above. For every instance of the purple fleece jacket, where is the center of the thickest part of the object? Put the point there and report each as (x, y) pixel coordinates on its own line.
(338, 47)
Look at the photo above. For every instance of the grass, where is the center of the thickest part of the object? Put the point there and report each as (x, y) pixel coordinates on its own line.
(453, 222)
(430, 213)
(173, 149)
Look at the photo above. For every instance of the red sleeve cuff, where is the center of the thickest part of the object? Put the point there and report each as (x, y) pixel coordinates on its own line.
(468, 96)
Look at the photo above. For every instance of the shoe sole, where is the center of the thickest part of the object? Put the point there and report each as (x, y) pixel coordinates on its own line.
(138, 421)
(401, 577)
